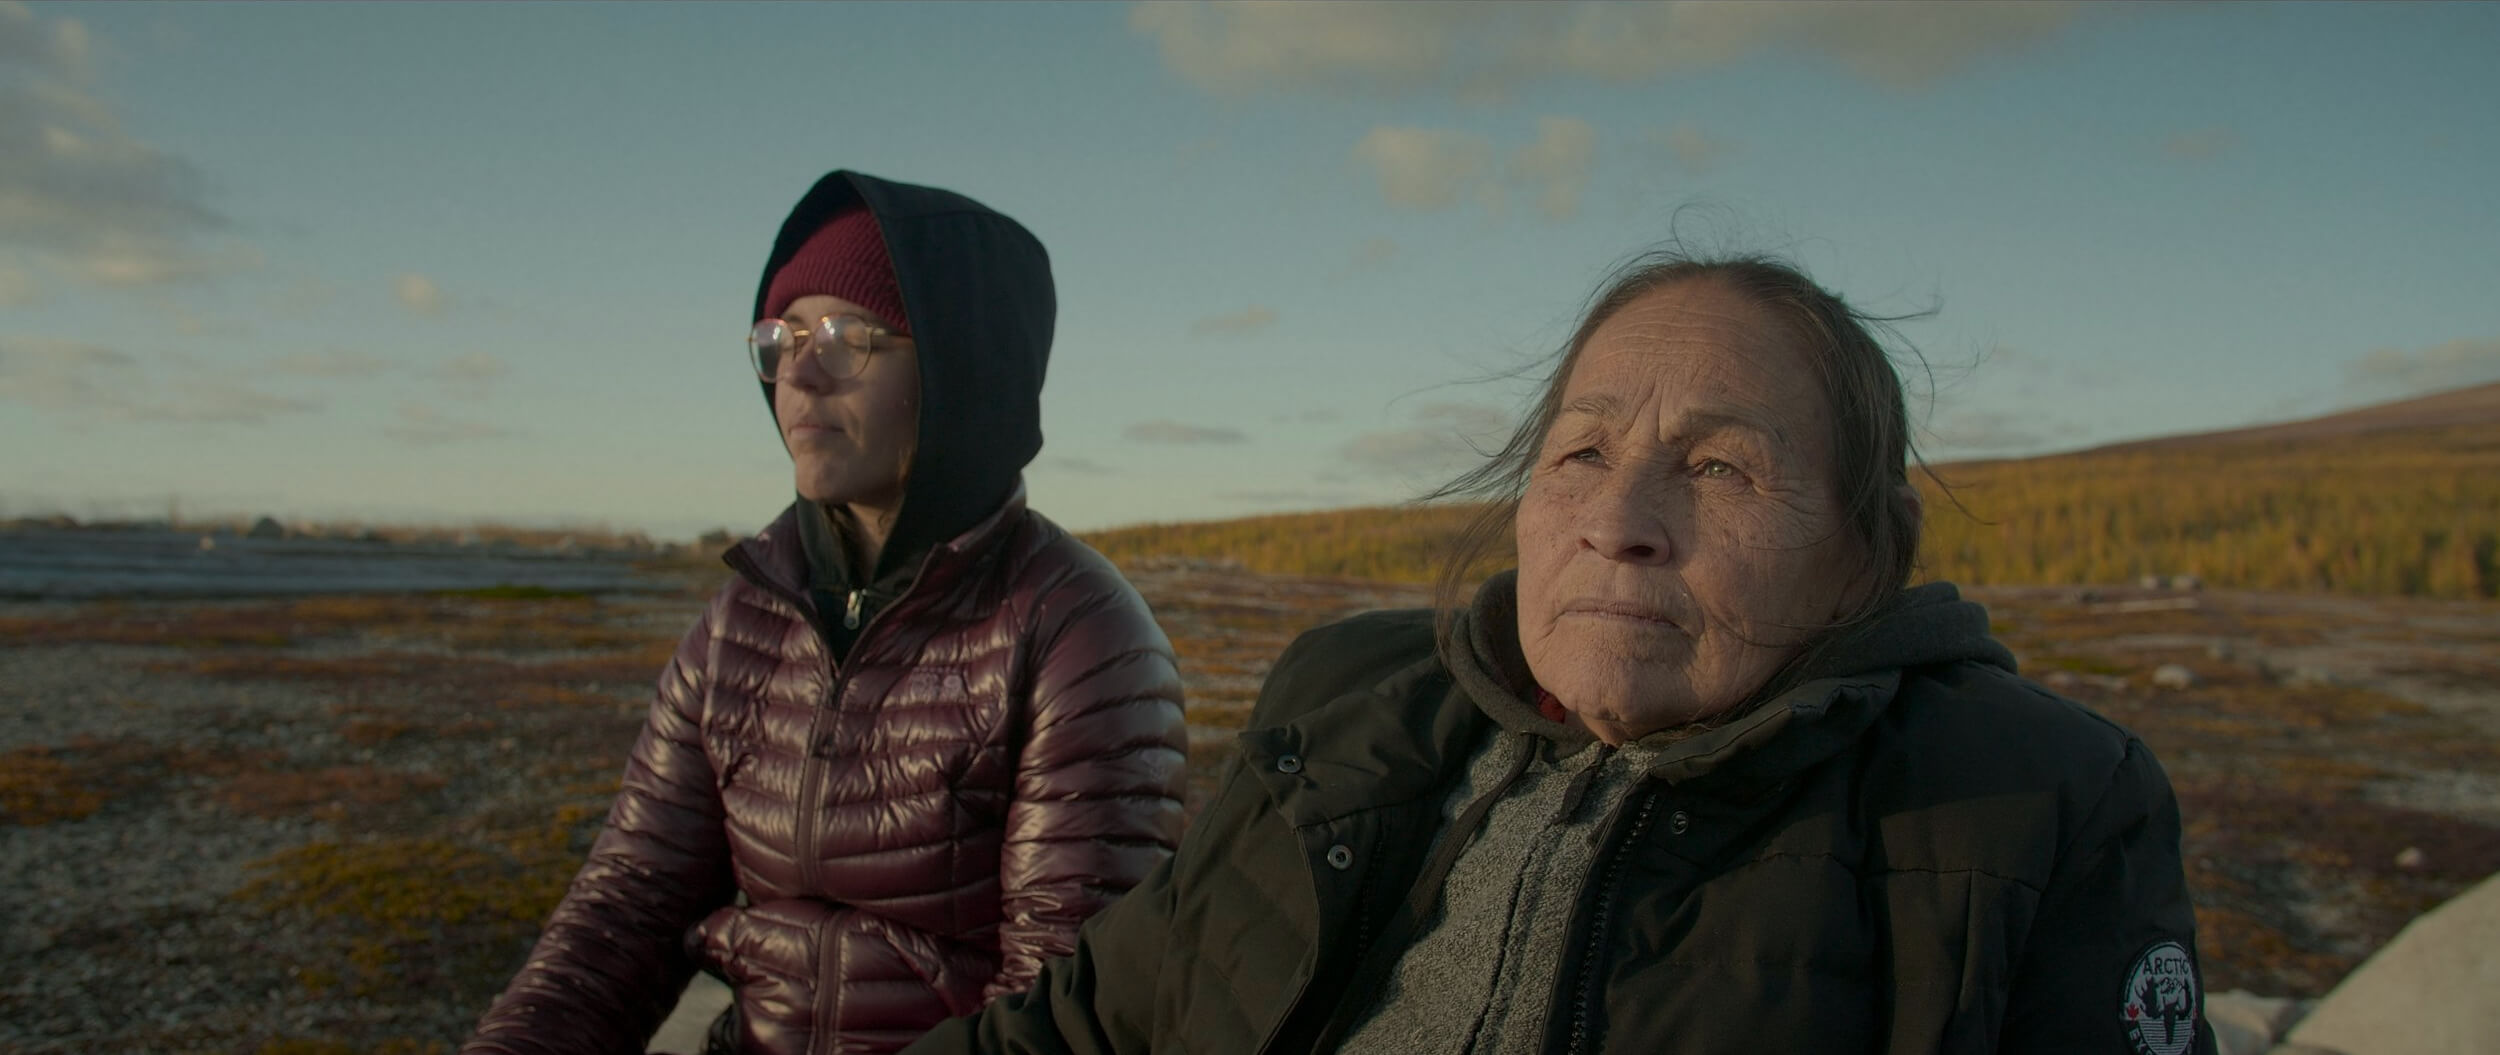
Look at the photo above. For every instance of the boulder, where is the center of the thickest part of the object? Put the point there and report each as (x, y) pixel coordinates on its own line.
(704, 999)
(2247, 1024)
(2428, 992)
(2173, 676)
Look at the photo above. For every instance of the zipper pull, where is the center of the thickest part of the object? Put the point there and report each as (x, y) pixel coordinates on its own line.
(850, 611)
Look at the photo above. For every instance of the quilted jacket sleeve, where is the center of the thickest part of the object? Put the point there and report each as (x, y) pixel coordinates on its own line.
(611, 960)
(2110, 963)
(1099, 776)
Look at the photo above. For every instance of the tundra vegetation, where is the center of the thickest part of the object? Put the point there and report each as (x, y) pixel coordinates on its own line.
(2411, 513)
(334, 824)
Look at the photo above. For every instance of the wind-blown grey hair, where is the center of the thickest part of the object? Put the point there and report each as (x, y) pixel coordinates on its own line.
(1870, 426)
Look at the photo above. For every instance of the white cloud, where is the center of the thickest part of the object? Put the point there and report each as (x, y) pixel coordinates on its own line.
(1241, 48)
(1072, 464)
(1180, 433)
(1555, 168)
(418, 294)
(1253, 319)
(59, 50)
(68, 375)
(332, 363)
(194, 324)
(80, 196)
(1695, 151)
(424, 426)
(2450, 364)
(87, 380)
(1445, 439)
(1430, 169)
(1305, 499)
(1423, 168)
(1994, 432)
(1472, 420)
(472, 375)
(226, 403)
(1406, 453)
(1486, 50)
(1904, 45)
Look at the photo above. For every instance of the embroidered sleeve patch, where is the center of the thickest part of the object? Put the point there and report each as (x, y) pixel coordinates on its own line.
(2159, 1006)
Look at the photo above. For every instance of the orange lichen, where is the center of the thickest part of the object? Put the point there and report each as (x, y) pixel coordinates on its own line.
(328, 794)
(37, 788)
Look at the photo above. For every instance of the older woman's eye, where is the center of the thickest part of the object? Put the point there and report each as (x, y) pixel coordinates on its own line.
(1714, 469)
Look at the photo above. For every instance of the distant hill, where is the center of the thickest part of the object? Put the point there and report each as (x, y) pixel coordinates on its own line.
(2399, 498)
(2461, 407)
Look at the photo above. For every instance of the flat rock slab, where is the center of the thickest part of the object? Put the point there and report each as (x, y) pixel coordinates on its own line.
(2429, 992)
(2247, 1024)
(704, 999)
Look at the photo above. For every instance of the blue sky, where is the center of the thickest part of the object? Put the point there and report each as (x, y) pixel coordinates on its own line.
(447, 263)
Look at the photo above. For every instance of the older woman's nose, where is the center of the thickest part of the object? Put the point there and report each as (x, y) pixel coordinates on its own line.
(1626, 526)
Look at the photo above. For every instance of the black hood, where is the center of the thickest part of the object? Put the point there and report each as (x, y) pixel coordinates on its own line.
(980, 304)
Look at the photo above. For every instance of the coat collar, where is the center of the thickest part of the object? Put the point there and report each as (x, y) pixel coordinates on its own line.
(1766, 741)
(776, 558)
(1379, 745)
(1403, 736)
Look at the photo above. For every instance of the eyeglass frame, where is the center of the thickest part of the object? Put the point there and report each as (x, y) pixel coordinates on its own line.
(864, 348)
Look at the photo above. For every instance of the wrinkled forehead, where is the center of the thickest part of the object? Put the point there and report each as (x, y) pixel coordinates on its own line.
(1698, 349)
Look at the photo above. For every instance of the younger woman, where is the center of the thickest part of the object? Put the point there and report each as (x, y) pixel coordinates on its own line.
(923, 733)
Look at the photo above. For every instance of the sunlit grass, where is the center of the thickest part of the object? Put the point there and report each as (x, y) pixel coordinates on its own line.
(2411, 513)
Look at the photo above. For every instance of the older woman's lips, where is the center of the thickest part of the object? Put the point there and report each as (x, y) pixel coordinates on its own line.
(1625, 611)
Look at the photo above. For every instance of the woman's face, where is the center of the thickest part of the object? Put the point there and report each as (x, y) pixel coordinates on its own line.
(1681, 536)
(850, 439)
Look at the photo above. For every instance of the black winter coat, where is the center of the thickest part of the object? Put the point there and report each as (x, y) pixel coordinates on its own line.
(1910, 849)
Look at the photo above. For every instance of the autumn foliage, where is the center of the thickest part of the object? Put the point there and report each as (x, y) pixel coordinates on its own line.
(2412, 512)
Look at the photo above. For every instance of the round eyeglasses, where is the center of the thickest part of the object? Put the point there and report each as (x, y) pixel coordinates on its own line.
(842, 345)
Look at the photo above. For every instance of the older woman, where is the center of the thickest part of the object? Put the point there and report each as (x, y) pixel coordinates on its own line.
(1700, 776)
(923, 733)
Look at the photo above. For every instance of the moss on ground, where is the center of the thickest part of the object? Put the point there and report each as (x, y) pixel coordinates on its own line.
(37, 788)
(420, 911)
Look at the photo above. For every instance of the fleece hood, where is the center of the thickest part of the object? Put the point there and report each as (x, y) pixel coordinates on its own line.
(1833, 689)
(977, 292)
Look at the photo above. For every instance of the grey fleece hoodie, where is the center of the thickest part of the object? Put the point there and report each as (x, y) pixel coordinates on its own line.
(1476, 977)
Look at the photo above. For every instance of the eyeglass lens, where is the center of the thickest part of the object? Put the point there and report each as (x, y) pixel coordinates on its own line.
(841, 344)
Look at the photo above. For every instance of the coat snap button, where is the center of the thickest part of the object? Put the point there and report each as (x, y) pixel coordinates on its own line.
(1340, 858)
(1680, 822)
(1289, 764)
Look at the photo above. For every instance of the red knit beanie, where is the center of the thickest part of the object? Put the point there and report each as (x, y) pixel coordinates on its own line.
(845, 258)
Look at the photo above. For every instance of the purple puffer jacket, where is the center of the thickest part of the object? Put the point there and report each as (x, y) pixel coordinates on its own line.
(913, 833)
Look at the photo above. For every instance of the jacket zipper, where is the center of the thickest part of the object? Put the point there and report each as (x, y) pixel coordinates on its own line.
(811, 774)
(1604, 916)
(803, 834)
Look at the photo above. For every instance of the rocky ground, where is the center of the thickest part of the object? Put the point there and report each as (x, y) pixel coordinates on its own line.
(332, 825)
